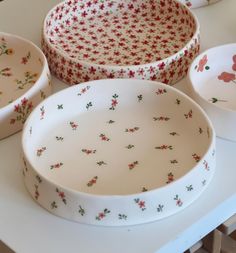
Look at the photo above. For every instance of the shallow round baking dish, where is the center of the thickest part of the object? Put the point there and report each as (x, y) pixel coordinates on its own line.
(90, 40)
(198, 3)
(212, 79)
(25, 81)
(117, 152)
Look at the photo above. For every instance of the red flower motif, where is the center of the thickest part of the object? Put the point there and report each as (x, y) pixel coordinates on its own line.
(227, 77)
(114, 102)
(141, 204)
(202, 63)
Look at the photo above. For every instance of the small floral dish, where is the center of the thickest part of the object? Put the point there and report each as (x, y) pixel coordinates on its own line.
(89, 40)
(117, 152)
(198, 3)
(212, 78)
(24, 81)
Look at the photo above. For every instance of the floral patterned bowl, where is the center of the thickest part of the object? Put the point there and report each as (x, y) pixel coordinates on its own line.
(212, 78)
(117, 152)
(24, 78)
(88, 40)
(197, 3)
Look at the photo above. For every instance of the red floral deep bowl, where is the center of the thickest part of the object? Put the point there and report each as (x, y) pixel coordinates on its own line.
(25, 81)
(89, 40)
(212, 78)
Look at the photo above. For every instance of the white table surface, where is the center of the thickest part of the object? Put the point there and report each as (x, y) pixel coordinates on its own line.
(28, 228)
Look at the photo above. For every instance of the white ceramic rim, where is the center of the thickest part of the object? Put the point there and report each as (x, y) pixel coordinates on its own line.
(103, 197)
(191, 81)
(117, 67)
(43, 72)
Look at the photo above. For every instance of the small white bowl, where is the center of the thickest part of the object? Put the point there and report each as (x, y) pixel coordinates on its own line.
(197, 3)
(212, 78)
(117, 152)
(25, 81)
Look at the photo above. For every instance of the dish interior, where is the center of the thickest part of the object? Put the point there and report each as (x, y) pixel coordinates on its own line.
(116, 137)
(213, 76)
(119, 32)
(20, 67)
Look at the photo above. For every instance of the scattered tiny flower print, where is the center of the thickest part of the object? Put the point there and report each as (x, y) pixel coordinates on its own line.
(122, 216)
(110, 121)
(22, 111)
(56, 166)
(140, 203)
(178, 200)
(173, 161)
(178, 101)
(170, 178)
(144, 189)
(130, 146)
(83, 90)
(36, 192)
(202, 64)
(4, 48)
(42, 112)
(5, 72)
(29, 78)
(89, 105)
(189, 188)
(140, 98)
(103, 137)
(227, 77)
(60, 107)
(132, 165)
(38, 178)
(174, 134)
(59, 138)
(100, 163)
(160, 208)
(206, 165)
(89, 151)
(102, 214)
(114, 102)
(54, 205)
(92, 181)
(61, 194)
(216, 100)
(164, 147)
(161, 91)
(196, 157)
(81, 210)
(161, 118)
(131, 130)
(40, 151)
(73, 125)
(188, 115)
(25, 59)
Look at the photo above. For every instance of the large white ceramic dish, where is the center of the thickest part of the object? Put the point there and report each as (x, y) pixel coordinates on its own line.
(24, 81)
(117, 152)
(198, 3)
(89, 40)
(212, 78)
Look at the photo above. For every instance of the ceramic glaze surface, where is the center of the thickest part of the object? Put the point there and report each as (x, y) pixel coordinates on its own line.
(119, 146)
(87, 40)
(213, 80)
(24, 81)
(198, 3)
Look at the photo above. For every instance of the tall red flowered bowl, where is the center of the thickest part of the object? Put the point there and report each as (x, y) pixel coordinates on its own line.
(25, 81)
(212, 78)
(117, 152)
(88, 40)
